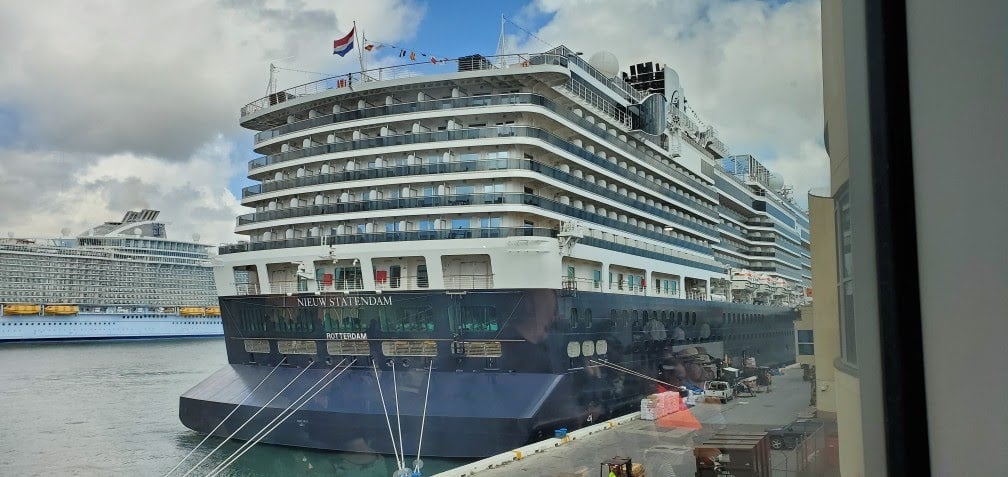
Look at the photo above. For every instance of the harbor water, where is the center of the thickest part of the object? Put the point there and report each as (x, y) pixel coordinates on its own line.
(111, 408)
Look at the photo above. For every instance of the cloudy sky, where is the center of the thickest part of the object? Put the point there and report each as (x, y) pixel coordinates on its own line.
(119, 104)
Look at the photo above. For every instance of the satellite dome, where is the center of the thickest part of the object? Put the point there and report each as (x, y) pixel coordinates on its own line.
(65, 231)
(606, 62)
(776, 181)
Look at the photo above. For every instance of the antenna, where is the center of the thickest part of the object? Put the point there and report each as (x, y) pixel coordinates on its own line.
(501, 43)
(271, 85)
(360, 50)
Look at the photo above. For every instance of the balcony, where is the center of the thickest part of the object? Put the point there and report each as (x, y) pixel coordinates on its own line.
(381, 237)
(397, 71)
(487, 133)
(464, 200)
(483, 165)
(468, 281)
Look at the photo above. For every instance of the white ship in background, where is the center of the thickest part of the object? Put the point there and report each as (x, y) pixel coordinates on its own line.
(117, 280)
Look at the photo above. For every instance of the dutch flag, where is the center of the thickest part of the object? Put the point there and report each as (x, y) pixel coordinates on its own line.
(344, 45)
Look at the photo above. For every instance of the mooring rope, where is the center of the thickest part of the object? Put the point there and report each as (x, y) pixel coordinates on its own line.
(395, 390)
(173, 469)
(280, 418)
(248, 420)
(388, 422)
(423, 420)
(635, 373)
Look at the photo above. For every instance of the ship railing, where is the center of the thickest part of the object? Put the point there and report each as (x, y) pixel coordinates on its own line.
(394, 236)
(467, 200)
(429, 66)
(616, 84)
(340, 285)
(466, 281)
(402, 283)
(284, 287)
(568, 282)
(246, 288)
(473, 101)
(490, 132)
(485, 165)
(597, 102)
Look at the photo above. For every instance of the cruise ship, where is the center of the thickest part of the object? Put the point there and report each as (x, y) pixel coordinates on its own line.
(121, 279)
(488, 249)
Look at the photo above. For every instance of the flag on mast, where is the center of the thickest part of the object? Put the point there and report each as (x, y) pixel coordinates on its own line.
(344, 45)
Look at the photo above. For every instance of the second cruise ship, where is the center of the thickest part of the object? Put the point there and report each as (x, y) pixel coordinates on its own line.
(506, 246)
(122, 279)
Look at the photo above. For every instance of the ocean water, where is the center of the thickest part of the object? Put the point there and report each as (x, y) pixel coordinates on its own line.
(111, 408)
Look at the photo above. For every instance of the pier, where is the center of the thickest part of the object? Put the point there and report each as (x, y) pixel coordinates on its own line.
(664, 447)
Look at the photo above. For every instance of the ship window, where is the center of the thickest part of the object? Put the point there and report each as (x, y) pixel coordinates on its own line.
(588, 318)
(409, 318)
(300, 321)
(342, 320)
(573, 318)
(422, 276)
(473, 318)
(614, 317)
(694, 319)
(250, 322)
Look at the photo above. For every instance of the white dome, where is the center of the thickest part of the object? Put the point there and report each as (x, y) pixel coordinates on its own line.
(776, 181)
(606, 62)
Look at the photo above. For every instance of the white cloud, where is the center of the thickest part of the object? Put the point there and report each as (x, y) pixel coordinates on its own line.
(117, 105)
(79, 191)
(751, 69)
(164, 77)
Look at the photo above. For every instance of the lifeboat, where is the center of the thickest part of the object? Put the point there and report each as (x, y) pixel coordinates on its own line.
(191, 311)
(61, 310)
(212, 311)
(21, 309)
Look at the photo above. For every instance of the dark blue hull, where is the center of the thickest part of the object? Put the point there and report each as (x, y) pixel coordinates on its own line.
(478, 405)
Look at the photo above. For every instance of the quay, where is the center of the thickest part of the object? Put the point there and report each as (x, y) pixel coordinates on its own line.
(664, 446)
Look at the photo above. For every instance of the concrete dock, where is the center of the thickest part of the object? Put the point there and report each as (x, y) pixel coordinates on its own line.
(664, 451)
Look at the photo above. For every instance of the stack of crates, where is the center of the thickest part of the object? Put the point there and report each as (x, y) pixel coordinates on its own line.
(660, 405)
(740, 454)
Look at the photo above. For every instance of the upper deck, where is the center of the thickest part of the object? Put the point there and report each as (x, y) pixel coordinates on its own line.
(554, 67)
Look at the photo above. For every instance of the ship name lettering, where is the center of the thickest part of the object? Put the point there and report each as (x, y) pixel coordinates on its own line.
(346, 336)
(344, 301)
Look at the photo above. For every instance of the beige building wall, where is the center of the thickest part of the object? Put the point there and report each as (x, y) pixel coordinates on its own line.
(825, 309)
(838, 388)
(848, 400)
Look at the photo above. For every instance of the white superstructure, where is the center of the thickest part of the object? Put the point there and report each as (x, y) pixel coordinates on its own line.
(119, 279)
(527, 171)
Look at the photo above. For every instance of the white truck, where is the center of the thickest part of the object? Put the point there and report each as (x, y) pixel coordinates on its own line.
(718, 389)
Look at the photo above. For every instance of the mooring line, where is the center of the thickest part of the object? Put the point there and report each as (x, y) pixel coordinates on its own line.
(388, 422)
(272, 427)
(423, 420)
(248, 420)
(173, 469)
